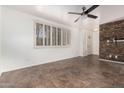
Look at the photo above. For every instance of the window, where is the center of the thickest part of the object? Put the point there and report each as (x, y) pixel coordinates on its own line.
(39, 34)
(59, 36)
(53, 36)
(47, 35)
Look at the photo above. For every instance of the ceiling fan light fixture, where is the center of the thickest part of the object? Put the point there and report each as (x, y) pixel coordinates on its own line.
(84, 17)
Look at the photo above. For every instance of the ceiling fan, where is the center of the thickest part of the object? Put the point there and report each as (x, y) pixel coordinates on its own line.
(85, 12)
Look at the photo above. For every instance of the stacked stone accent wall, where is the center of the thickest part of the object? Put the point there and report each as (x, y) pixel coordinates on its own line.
(112, 41)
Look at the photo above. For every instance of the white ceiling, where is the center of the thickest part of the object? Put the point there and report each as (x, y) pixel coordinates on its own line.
(58, 13)
(111, 13)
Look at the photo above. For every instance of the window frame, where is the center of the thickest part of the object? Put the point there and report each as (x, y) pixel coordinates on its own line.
(51, 36)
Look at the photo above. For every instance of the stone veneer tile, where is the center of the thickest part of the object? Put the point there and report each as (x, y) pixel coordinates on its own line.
(109, 32)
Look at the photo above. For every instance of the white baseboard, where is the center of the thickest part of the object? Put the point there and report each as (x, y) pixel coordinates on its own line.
(119, 62)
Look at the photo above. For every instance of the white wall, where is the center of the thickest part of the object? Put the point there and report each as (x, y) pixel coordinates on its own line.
(18, 42)
(0, 33)
(95, 42)
(0, 36)
(0, 27)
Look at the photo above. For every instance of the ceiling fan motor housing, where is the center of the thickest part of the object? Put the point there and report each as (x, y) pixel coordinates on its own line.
(84, 8)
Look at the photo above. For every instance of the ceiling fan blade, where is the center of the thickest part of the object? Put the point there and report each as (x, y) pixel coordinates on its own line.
(92, 16)
(91, 9)
(74, 13)
(77, 19)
